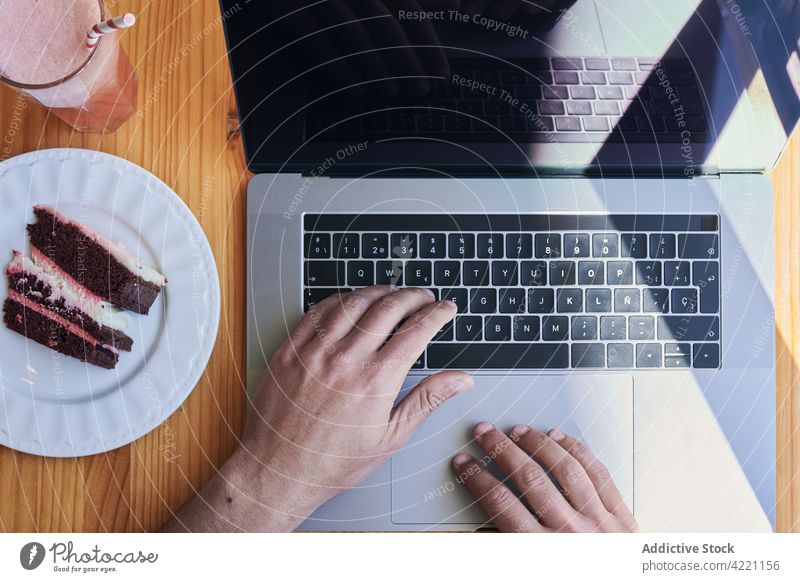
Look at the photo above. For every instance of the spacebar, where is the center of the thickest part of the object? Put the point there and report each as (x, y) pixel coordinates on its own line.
(483, 355)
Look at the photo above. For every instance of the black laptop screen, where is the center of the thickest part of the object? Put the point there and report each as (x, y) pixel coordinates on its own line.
(329, 86)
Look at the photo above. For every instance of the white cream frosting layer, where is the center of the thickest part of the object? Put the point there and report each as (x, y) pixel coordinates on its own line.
(74, 294)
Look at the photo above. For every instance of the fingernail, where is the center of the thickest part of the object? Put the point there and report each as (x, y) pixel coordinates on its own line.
(450, 303)
(483, 428)
(520, 429)
(463, 383)
(429, 292)
(461, 459)
(556, 434)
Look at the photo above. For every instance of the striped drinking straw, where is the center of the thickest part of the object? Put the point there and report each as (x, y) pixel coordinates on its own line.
(101, 28)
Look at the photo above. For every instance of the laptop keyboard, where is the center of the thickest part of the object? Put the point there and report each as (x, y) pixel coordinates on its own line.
(593, 99)
(538, 291)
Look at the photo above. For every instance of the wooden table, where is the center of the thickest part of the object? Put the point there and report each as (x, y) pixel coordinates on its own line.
(186, 134)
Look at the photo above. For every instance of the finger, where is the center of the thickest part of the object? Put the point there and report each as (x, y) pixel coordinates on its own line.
(426, 397)
(597, 472)
(340, 319)
(383, 317)
(575, 483)
(415, 334)
(500, 504)
(308, 327)
(547, 502)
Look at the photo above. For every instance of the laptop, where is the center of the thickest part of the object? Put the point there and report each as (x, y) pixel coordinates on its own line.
(586, 183)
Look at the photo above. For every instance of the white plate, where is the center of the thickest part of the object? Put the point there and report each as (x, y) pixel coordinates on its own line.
(56, 406)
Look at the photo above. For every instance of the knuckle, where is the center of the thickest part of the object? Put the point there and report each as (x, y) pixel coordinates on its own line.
(578, 449)
(353, 302)
(431, 400)
(389, 305)
(498, 497)
(533, 477)
(599, 472)
(570, 475)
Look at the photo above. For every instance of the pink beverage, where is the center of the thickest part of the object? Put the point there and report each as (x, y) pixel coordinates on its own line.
(44, 54)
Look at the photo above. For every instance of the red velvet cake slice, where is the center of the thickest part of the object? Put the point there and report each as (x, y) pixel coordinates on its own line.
(104, 268)
(52, 309)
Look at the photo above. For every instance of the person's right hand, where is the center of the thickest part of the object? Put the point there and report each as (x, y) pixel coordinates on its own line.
(586, 499)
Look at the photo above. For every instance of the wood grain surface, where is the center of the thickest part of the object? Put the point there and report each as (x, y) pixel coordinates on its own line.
(185, 133)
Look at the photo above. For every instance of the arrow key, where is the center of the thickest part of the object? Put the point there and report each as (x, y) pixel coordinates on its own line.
(706, 355)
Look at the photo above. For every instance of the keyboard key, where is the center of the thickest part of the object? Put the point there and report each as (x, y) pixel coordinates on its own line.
(418, 273)
(389, 273)
(498, 356)
(619, 78)
(475, 273)
(446, 273)
(662, 246)
(634, 245)
(432, 246)
(404, 246)
(584, 328)
(676, 273)
(609, 92)
(419, 362)
(596, 124)
(576, 245)
(375, 246)
(698, 246)
(314, 295)
(590, 273)
(582, 92)
(361, 273)
(706, 355)
(568, 123)
(620, 272)
(483, 301)
(566, 78)
(562, 273)
(555, 328)
(461, 246)
(605, 245)
(318, 246)
(677, 361)
(684, 301)
(526, 328)
(655, 300)
(579, 108)
(597, 64)
(556, 92)
(593, 78)
(511, 300)
(626, 300)
(705, 275)
(688, 328)
(567, 64)
(606, 108)
(345, 246)
(445, 334)
(548, 246)
(458, 296)
(504, 273)
(642, 327)
(613, 327)
(469, 328)
(598, 300)
(541, 301)
(533, 273)
(497, 328)
(620, 355)
(569, 300)
(519, 246)
(490, 246)
(588, 356)
(648, 273)
(552, 108)
(324, 274)
(648, 356)
(623, 64)
(678, 349)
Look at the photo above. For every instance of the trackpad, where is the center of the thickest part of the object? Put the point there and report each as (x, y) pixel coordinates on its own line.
(596, 409)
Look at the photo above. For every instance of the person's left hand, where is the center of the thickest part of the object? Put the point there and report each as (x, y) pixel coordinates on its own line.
(586, 499)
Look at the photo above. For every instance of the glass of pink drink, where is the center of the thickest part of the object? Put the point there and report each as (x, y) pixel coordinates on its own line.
(44, 54)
